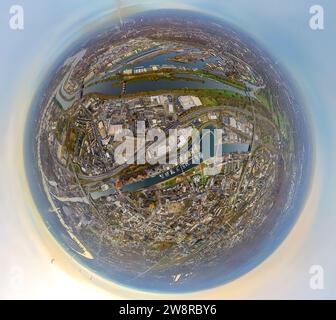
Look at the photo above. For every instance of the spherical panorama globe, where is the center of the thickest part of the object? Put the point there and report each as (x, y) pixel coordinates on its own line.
(168, 152)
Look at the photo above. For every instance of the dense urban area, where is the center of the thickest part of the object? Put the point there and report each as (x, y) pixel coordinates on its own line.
(160, 218)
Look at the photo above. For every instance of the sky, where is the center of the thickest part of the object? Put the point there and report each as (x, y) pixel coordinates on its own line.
(282, 28)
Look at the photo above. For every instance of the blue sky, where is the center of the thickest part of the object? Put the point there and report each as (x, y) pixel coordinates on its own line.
(280, 26)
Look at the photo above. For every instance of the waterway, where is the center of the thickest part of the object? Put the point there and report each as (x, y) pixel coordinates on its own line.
(196, 82)
(209, 144)
(164, 59)
(179, 169)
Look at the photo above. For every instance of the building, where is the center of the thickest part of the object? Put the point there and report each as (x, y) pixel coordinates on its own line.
(171, 108)
(159, 100)
(233, 122)
(114, 129)
(188, 102)
(102, 129)
(128, 72)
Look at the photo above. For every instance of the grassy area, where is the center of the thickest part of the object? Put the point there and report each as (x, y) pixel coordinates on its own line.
(265, 100)
(170, 183)
(77, 169)
(70, 141)
(209, 101)
(234, 83)
(162, 245)
(173, 75)
(160, 76)
(268, 140)
(279, 119)
(204, 179)
(283, 125)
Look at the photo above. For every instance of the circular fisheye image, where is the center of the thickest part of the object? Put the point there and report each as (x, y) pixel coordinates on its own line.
(168, 152)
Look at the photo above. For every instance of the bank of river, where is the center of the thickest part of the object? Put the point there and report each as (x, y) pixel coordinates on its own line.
(179, 169)
(114, 87)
